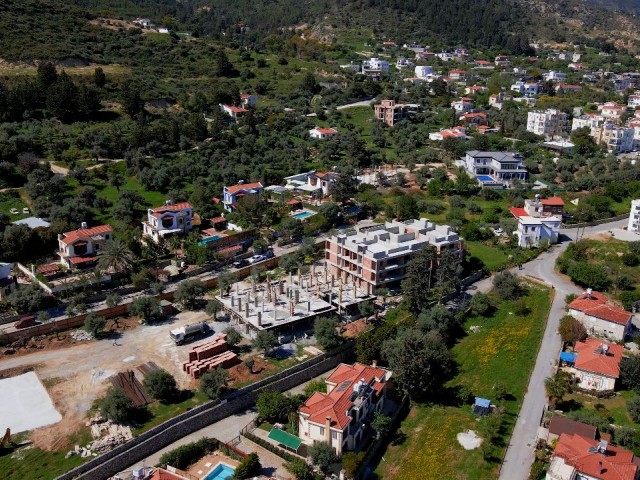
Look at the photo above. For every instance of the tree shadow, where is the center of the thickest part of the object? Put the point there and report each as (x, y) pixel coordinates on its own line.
(569, 405)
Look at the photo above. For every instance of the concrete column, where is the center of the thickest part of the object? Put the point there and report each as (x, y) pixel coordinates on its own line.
(233, 301)
(281, 287)
(297, 296)
(246, 309)
(291, 309)
(259, 319)
(309, 306)
(239, 303)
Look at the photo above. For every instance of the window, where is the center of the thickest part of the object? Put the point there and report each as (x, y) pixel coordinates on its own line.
(321, 430)
(334, 435)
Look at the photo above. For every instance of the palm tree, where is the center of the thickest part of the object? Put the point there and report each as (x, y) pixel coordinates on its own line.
(558, 386)
(115, 257)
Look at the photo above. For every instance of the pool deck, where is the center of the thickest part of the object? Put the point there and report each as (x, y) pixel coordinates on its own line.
(202, 467)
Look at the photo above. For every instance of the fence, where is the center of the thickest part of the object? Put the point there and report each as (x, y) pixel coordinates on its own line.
(34, 279)
(596, 222)
(149, 442)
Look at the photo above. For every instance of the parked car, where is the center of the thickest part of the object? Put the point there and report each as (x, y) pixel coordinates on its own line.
(255, 259)
(25, 211)
(241, 263)
(14, 211)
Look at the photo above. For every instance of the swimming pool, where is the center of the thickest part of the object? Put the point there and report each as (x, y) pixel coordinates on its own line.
(302, 215)
(220, 472)
(485, 178)
(213, 238)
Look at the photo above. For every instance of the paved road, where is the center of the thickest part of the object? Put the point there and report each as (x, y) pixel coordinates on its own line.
(520, 452)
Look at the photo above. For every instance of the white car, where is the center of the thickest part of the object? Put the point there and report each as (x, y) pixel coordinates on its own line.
(256, 259)
(25, 211)
(14, 211)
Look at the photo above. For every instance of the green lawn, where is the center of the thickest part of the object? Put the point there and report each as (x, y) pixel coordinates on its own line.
(11, 199)
(162, 413)
(30, 463)
(495, 258)
(503, 351)
(615, 409)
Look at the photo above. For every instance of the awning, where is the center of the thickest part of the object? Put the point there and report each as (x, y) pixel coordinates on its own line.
(568, 357)
(286, 439)
(483, 402)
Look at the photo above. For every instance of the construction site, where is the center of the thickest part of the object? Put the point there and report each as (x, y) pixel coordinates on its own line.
(288, 303)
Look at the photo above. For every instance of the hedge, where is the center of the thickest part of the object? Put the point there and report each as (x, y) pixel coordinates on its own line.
(271, 447)
(185, 455)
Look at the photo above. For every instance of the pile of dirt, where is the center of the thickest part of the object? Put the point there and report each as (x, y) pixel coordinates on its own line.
(241, 374)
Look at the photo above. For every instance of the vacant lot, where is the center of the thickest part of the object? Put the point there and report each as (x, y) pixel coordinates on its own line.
(502, 352)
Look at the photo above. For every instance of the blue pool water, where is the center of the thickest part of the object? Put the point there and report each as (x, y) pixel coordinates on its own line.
(485, 178)
(302, 215)
(213, 238)
(221, 472)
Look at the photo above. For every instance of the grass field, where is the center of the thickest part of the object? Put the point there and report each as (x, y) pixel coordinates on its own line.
(11, 199)
(503, 352)
(615, 409)
(163, 412)
(496, 259)
(30, 463)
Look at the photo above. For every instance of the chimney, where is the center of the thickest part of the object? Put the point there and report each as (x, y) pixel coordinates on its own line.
(327, 430)
(84, 225)
(589, 292)
(374, 363)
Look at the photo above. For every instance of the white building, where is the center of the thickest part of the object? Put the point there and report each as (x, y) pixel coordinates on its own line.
(340, 416)
(403, 62)
(445, 56)
(591, 121)
(321, 133)
(375, 65)
(548, 123)
(423, 71)
(232, 111)
(499, 166)
(527, 89)
(611, 110)
(8, 282)
(80, 248)
(617, 139)
(555, 76)
(532, 231)
(599, 317)
(634, 100)
(456, 133)
(168, 220)
(634, 216)
(463, 105)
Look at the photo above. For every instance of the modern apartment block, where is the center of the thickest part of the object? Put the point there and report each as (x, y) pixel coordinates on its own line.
(617, 139)
(378, 256)
(548, 123)
(390, 112)
(634, 216)
(495, 166)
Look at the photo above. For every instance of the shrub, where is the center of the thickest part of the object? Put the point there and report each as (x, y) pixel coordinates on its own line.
(571, 330)
(213, 383)
(116, 406)
(630, 260)
(273, 406)
(299, 469)
(629, 298)
(589, 276)
(351, 463)
(161, 385)
(630, 373)
(233, 336)
(633, 407)
(480, 304)
(186, 455)
(322, 456)
(538, 470)
(326, 333)
(315, 386)
(507, 285)
(249, 467)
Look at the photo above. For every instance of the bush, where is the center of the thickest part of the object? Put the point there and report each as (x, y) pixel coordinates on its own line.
(186, 455)
(633, 407)
(630, 260)
(94, 324)
(629, 298)
(273, 406)
(233, 336)
(591, 417)
(161, 385)
(538, 470)
(299, 469)
(314, 386)
(589, 276)
(249, 467)
(507, 286)
(571, 330)
(265, 341)
(630, 373)
(286, 456)
(627, 437)
(351, 463)
(213, 383)
(322, 456)
(480, 304)
(116, 406)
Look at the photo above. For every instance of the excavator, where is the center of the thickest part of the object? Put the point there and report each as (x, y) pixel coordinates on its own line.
(6, 440)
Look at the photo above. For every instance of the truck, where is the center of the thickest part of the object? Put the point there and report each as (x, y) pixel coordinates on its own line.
(189, 332)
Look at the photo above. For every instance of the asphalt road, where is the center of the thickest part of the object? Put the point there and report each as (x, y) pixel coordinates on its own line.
(521, 450)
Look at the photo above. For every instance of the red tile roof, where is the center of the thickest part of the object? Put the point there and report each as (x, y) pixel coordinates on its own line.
(518, 212)
(336, 403)
(245, 186)
(245, 95)
(48, 268)
(326, 131)
(595, 305)
(218, 220)
(82, 259)
(616, 464)
(72, 236)
(162, 474)
(553, 202)
(590, 361)
(233, 109)
(560, 425)
(173, 208)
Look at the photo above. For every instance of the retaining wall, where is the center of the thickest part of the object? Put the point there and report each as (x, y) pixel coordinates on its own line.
(596, 222)
(149, 442)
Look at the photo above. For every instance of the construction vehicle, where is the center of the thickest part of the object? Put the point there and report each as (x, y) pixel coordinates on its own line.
(189, 332)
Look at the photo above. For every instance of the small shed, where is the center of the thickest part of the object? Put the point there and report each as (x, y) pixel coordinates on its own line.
(568, 357)
(481, 407)
(166, 307)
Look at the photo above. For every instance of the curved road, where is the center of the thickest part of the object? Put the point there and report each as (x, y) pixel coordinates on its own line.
(521, 449)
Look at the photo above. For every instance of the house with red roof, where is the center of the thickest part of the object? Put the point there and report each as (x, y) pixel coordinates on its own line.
(321, 133)
(580, 458)
(232, 111)
(474, 118)
(168, 220)
(600, 317)
(248, 100)
(339, 417)
(231, 195)
(455, 133)
(80, 248)
(596, 364)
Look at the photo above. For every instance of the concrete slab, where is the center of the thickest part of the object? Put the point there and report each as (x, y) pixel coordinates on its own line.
(26, 405)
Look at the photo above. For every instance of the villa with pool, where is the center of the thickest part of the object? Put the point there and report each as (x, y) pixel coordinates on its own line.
(494, 169)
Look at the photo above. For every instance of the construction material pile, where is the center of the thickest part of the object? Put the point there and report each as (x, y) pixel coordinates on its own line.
(106, 436)
(210, 355)
(132, 388)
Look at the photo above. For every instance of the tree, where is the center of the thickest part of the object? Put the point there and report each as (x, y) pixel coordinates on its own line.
(146, 307)
(381, 423)
(325, 331)
(224, 282)
(115, 256)
(309, 84)
(507, 285)
(419, 279)
(299, 469)
(480, 304)
(113, 300)
(99, 78)
(589, 276)
(344, 188)
(439, 319)
(224, 67)
(322, 456)
(265, 341)
(351, 462)
(213, 383)
(189, 292)
(420, 362)
(571, 330)
(630, 373)
(249, 467)
(233, 336)
(314, 386)
(116, 406)
(132, 102)
(633, 407)
(366, 309)
(29, 299)
(94, 324)
(558, 386)
(273, 406)
(161, 385)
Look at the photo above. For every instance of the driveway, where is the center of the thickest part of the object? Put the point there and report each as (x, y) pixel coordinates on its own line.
(520, 453)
